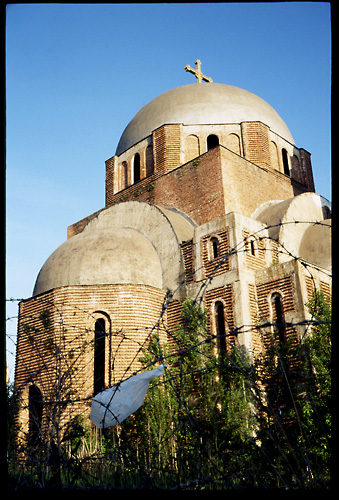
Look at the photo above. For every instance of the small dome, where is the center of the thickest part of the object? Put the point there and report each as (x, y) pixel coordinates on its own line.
(298, 224)
(200, 104)
(128, 243)
(315, 246)
(103, 256)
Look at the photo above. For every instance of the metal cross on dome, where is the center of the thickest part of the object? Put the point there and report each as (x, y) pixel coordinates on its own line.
(197, 72)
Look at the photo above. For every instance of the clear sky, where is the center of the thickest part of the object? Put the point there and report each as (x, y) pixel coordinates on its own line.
(76, 74)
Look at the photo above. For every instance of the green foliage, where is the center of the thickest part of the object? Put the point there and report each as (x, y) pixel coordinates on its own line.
(295, 420)
(316, 408)
(192, 421)
(319, 342)
(213, 421)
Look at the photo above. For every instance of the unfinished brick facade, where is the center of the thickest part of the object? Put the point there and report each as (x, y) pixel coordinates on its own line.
(195, 203)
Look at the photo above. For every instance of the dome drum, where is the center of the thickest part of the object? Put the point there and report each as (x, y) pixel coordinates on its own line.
(193, 104)
(176, 126)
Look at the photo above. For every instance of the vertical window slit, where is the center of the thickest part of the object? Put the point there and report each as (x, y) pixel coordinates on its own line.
(99, 355)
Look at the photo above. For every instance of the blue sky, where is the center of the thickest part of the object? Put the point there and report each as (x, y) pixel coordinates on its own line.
(76, 74)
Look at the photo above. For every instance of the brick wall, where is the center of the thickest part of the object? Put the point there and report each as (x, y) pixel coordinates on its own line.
(110, 163)
(206, 188)
(306, 169)
(213, 266)
(256, 340)
(284, 286)
(247, 186)
(256, 143)
(195, 188)
(65, 345)
(225, 294)
(34, 341)
(187, 250)
(166, 147)
(255, 256)
(312, 286)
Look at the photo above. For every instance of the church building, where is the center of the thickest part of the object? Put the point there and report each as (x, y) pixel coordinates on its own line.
(207, 197)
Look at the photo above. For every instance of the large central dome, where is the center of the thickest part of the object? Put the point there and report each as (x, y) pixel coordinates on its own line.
(200, 104)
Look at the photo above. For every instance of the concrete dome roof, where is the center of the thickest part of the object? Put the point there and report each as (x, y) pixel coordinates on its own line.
(199, 104)
(316, 245)
(102, 256)
(128, 243)
(298, 224)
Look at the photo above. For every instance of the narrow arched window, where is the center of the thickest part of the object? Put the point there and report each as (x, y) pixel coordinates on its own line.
(233, 143)
(220, 327)
(35, 413)
(285, 162)
(192, 147)
(212, 141)
(278, 316)
(327, 214)
(252, 247)
(99, 355)
(124, 175)
(214, 248)
(136, 168)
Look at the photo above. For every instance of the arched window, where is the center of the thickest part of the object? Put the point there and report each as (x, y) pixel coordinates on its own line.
(251, 245)
(327, 214)
(233, 143)
(212, 141)
(214, 248)
(220, 327)
(192, 147)
(35, 413)
(252, 248)
(295, 171)
(124, 183)
(99, 355)
(278, 315)
(285, 162)
(274, 155)
(136, 168)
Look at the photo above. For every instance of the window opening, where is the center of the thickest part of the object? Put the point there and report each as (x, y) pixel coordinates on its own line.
(221, 335)
(285, 162)
(35, 413)
(99, 355)
(279, 316)
(252, 247)
(214, 248)
(212, 141)
(136, 167)
(220, 327)
(124, 175)
(326, 212)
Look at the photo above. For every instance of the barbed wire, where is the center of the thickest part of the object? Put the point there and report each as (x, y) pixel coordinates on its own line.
(200, 295)
(60, 371)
